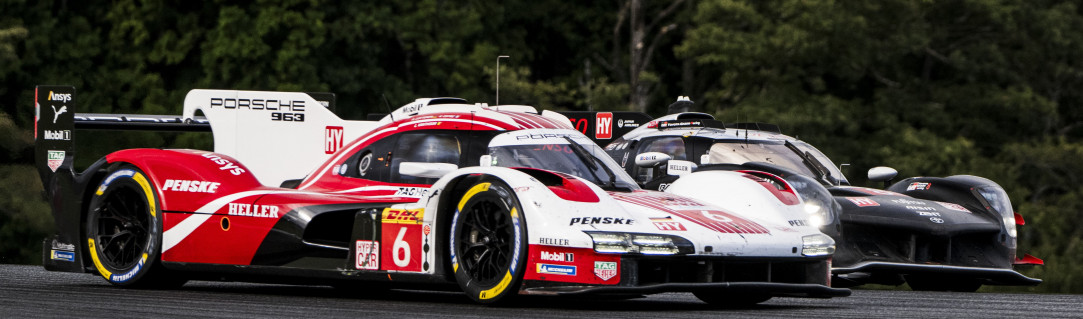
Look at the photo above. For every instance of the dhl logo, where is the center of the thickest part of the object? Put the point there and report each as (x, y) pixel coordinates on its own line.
(403, 216)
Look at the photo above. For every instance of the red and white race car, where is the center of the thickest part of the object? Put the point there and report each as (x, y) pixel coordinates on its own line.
(502, 200)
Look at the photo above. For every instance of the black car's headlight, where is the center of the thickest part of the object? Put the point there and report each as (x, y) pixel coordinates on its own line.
(647, 244)
(998, 199)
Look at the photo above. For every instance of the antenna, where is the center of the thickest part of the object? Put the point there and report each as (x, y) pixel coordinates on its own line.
(390, 112)
(498, 78)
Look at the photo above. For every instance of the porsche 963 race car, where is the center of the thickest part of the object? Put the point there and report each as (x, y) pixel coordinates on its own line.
(498, 200)
(953, 233)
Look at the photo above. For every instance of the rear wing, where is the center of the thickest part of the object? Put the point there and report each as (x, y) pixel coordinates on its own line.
(278, 135)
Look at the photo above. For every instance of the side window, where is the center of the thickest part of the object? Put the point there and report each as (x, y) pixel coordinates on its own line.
(424, 148)
(671, 145)
(371, 162)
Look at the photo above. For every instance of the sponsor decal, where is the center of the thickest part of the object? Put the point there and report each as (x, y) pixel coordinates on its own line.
(56, 113)
(178, 185)
(931, 214)
(669, 124)
(296, 108)
(521, 189)
(556, 269)
(652, 124)
(412, 191)
(427, 230)
(557, 256)
(57, 135)
(541, 136)
(863, 201)
(63, 255)
(224, 163)
(55, 158)
(605, 269)
(251, 210)
(925, 208)
(622, 123)
(667, 224)
(332, 139)
(679, 167)
(403, 216)
(553, 241)
(601, 221)
(798, 222)
(62, 246)
(603, 125)
(954, 206)
(59, 97)
(937, 220)
(918, 186)
(908, 202)
(663, 187)
(367, 255)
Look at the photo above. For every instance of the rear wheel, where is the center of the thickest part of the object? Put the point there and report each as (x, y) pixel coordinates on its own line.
(731, 300)
(942, 283)
(124, 231)
(488, 242)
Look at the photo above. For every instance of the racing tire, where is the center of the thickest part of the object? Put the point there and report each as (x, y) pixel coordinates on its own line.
(488, 243)
(729, 300)
(942, 283)
(124, 231)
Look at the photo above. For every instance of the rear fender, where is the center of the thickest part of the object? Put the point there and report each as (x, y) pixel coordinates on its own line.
(187, 179)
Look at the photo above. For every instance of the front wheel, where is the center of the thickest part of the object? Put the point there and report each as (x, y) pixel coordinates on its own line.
(488, 242)
(124, 231)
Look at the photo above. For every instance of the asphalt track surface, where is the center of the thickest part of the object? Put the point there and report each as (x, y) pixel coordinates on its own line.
(32, 292)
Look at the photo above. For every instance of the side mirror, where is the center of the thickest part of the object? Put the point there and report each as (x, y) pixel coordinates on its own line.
(652, 159)
(882, 174)
(426, 170)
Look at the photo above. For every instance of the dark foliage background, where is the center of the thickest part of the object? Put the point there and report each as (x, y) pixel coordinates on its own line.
(982, 87)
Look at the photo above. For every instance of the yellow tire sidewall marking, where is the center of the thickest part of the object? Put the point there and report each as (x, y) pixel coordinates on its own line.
(138, 177)
(499, 288)
(97, 262)
(473, 191)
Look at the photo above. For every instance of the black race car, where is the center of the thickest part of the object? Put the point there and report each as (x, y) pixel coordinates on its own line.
(953, 233)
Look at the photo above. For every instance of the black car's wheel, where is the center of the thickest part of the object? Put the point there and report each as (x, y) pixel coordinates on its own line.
(942, 283)
(488, 242)
(730, 300)
(124, 231)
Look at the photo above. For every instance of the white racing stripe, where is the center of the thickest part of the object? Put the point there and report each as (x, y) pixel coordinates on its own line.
(178, 233)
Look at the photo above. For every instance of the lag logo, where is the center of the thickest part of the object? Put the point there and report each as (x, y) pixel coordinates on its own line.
(332, 139)
(603, 125)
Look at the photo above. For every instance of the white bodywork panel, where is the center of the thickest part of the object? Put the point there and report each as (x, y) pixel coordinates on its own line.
(245, 128)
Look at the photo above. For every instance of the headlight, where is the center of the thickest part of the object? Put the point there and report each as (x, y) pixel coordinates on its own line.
(647, 244)
(998, 198)
(817, 245)
(817, 200)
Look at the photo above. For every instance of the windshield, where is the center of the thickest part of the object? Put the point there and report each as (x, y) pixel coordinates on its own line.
(778, 153)
(550, 149)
